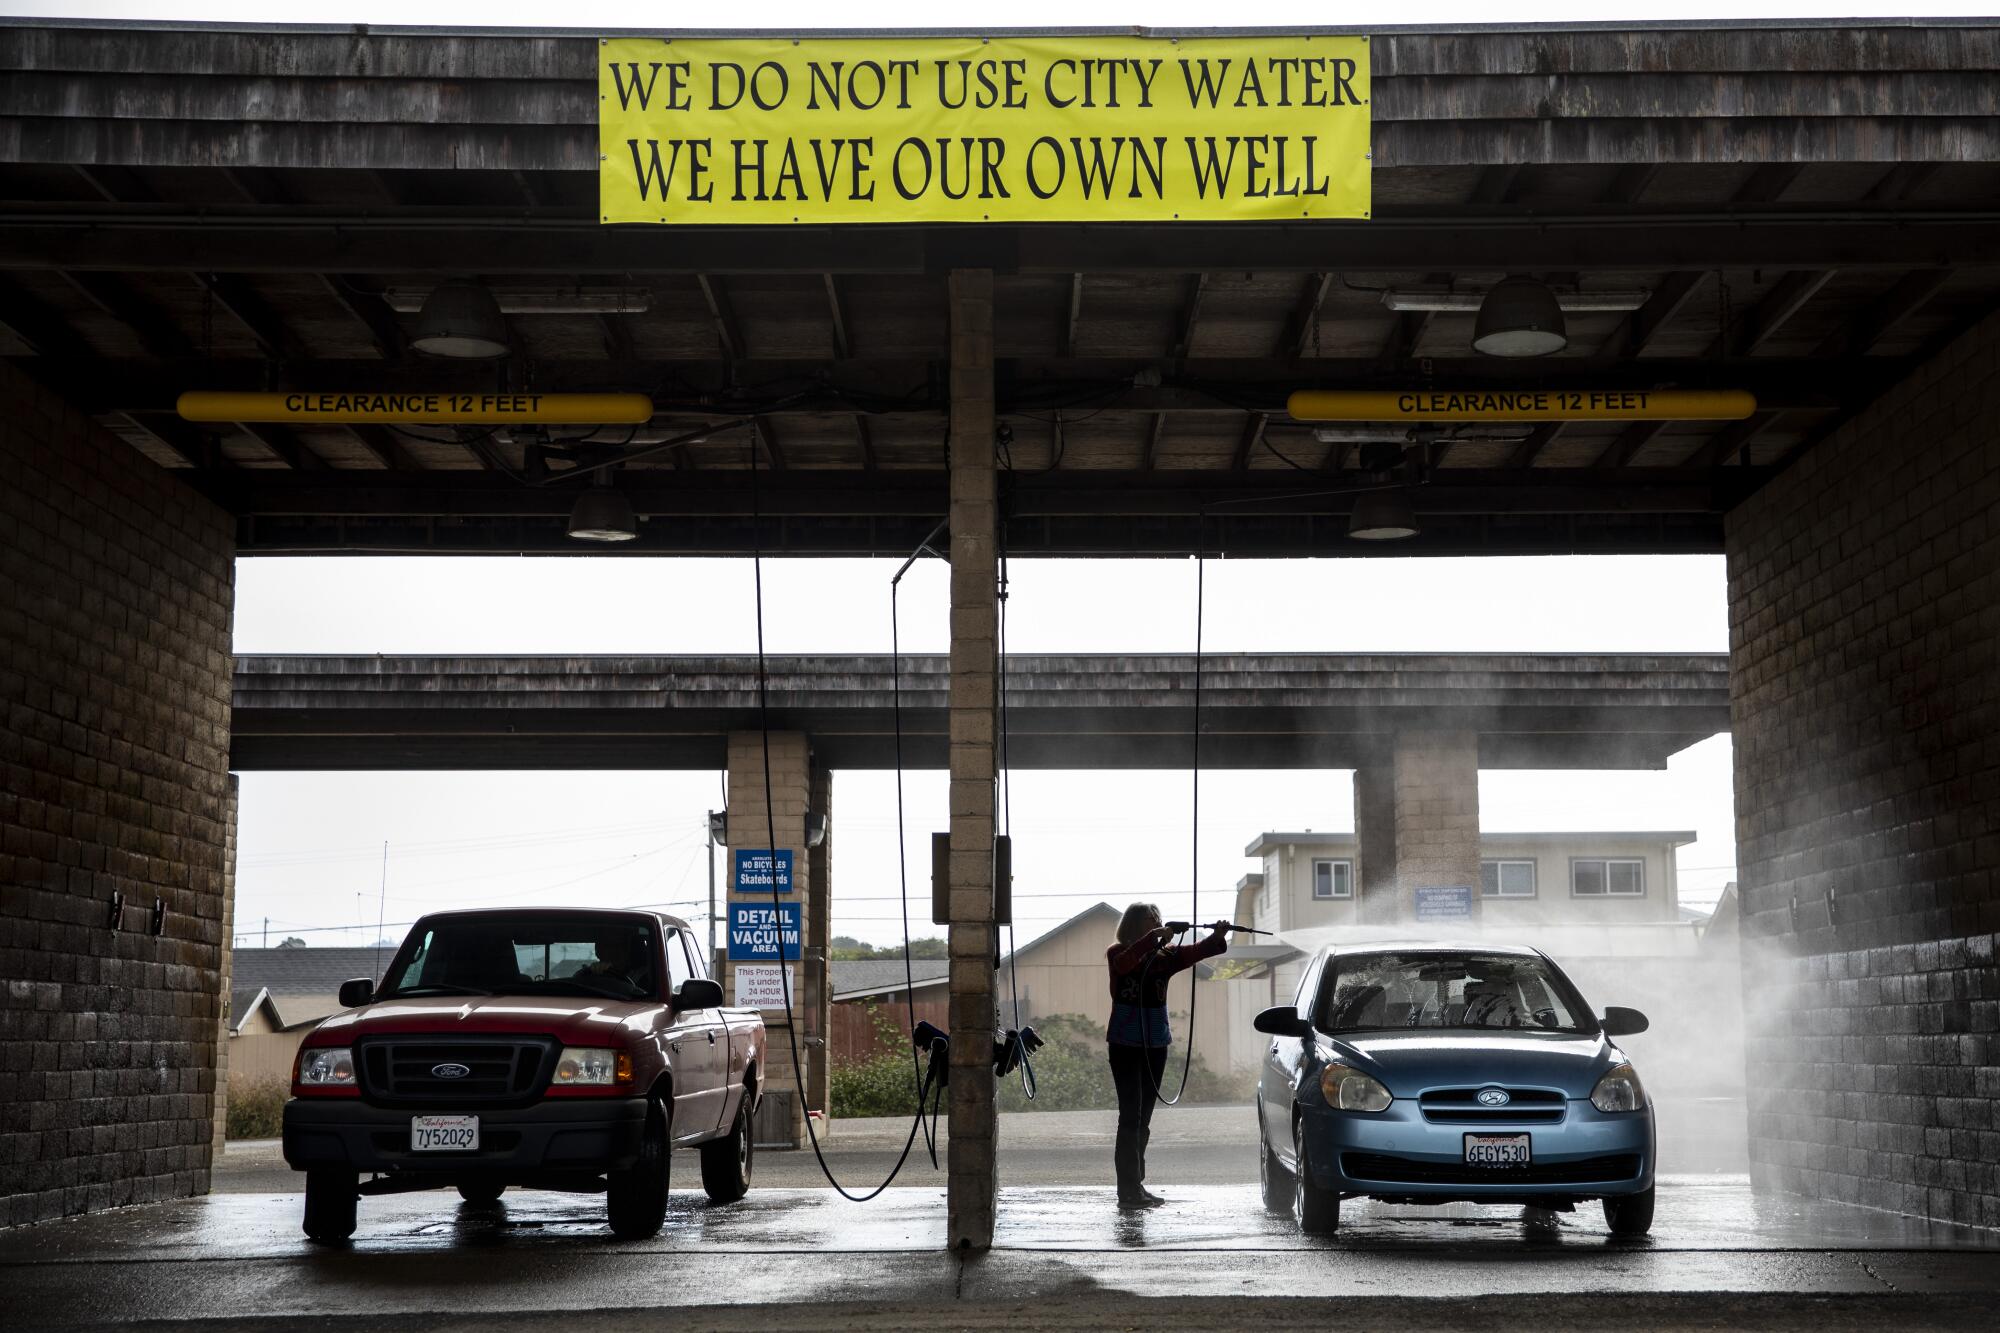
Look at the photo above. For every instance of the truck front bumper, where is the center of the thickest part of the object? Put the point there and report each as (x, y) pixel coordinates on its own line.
(568, 1135)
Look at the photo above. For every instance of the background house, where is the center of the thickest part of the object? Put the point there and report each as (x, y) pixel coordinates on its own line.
(277, 995)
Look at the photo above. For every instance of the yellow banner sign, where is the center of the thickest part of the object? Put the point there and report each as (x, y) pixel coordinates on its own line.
(1522, 405)
(439, 409)
(965, 129)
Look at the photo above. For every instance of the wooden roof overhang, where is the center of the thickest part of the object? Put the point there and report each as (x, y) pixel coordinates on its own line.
(1807, 211)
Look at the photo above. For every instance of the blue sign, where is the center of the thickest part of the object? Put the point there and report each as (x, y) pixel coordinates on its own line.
(1444, 904)
(761, 933)
(752, 872)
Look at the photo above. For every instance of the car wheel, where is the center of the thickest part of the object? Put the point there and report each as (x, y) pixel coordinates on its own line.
(482, 1191)
(1630, 1214)
(1318, 1209)
(331, 1193)
(1277, 1181)
(635, 1201)
(726, 1162)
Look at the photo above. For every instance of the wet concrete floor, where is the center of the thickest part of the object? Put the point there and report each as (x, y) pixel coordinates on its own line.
(426, 1257)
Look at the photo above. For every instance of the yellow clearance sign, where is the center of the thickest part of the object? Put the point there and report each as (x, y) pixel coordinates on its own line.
(1047, 129)
(438, 409)
(1521, 405)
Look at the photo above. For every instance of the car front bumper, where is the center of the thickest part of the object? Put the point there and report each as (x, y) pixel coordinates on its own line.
(1398, 1155)
(567, 1135)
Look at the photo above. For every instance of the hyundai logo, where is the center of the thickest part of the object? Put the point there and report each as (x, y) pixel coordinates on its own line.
(460, 1071)
(1494, 1097)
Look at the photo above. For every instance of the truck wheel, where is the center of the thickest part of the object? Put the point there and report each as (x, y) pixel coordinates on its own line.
(1277, 1182)
(1630, 1214)
(636, 1200)
(482, 1191)
(331, 1192)
(1318, 1209)
(725, 1162)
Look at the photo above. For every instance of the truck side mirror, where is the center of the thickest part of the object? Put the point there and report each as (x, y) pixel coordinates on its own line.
(1623, 1022)
(1282, 1020)
(698, 993)
(355, 993)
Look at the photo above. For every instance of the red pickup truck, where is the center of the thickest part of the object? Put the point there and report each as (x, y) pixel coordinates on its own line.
(547, 1048)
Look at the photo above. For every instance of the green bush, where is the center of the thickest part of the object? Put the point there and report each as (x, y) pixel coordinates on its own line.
(256, 1108)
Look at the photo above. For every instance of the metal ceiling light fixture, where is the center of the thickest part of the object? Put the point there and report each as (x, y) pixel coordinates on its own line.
(602, 514)
(1383, 516)
(1519, 317)
(462, 320)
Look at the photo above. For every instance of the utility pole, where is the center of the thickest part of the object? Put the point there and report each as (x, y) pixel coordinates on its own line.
(267, 932)
(711, 889)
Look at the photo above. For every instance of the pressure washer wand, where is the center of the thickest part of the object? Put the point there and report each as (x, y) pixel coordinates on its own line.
(1181, 927)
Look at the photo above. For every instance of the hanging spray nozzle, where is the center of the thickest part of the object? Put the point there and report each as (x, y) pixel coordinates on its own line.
(1010, 1045)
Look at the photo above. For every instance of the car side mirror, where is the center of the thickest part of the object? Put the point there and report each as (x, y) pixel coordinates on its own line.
(698, 993)
(1282, 1021)
(1623, 1022)
(355, 993)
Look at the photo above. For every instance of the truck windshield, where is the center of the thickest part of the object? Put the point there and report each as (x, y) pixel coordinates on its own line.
(525, 956)
(1367, 992)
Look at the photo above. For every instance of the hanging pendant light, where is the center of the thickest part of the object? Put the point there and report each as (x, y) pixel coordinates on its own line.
(602, 514)
(461, 320)
(1383, 516)
(1519, 317)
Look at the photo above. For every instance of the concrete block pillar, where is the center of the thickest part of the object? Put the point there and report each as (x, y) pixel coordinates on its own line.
(220, 1137)
(791, 790)
(974, 515)
(1417, 815)
(819, 936)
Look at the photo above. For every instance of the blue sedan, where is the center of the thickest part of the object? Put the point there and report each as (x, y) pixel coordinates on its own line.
(1426, 1073)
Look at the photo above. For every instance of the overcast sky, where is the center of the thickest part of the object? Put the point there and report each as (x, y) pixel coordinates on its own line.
(312, 844)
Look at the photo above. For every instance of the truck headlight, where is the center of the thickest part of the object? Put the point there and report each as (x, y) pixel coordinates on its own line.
(1619, 1090)
(591, 1067)
(326, 1067)
(1348, 1089)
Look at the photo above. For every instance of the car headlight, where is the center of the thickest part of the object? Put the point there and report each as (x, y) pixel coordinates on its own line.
(326, 1067)
(1619, 1090)
(1348, 1089)
(591, 1067)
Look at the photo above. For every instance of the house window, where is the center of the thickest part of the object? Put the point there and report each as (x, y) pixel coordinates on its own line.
(1507, 879)
(1333, 879)
(1607, 879)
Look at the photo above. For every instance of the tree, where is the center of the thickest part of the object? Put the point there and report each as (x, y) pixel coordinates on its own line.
(847, 949)
(291, 942)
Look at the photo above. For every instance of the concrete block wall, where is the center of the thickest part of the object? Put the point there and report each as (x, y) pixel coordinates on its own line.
(791, 774)
(115, 605)
(220, 1135)
(1437, 813)
(1864, 589)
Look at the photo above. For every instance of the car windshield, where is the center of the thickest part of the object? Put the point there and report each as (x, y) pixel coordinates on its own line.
(535, 955)
(1370, 992)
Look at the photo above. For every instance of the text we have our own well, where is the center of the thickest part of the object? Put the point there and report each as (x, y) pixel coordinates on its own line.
(961, 130)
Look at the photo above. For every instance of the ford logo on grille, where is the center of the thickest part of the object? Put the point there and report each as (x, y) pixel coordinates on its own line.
(1494, 1097)
(460, 1071)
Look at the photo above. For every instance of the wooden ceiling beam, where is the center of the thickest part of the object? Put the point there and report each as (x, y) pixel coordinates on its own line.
(1246, 444)
(1786, 298)
(728, 333)
(1150, 458)
(761, 433)
(284, 444)
(1621, 451)
(1075, 314)
(1529, 449)
(1725, 444)
(1303, 323)
(1629, 340)
(193, 446)
(387, 448)
(40, 325)
(1908, 296)
(1496, 185)
(837, 313)
(235, 294)
(1901, 181)
(116, 296)
(1184, 322)
(371, 311)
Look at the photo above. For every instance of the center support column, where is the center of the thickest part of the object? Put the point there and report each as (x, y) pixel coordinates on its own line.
(974, 518)
(1416, 810)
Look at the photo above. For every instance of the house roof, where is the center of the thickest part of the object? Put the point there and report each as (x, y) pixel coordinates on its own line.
(1266, 842)
(876, 976)
(306, 970)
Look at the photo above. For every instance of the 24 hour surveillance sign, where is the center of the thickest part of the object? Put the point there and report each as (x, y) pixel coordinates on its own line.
(1045, 129)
